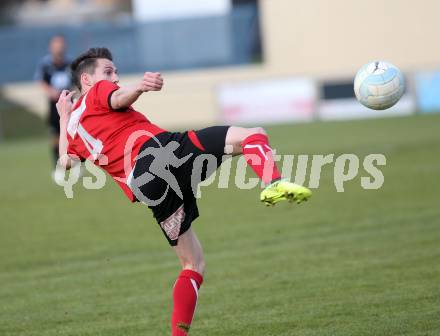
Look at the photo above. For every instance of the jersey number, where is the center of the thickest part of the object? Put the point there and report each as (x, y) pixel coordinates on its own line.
(93, 145)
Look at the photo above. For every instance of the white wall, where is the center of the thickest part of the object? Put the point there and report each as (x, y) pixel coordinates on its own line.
(150, 10)
(335, 37)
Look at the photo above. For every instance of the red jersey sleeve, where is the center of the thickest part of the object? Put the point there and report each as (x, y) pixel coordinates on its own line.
(102, 92)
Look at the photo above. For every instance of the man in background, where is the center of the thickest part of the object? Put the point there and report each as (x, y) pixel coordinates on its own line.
(53, 75)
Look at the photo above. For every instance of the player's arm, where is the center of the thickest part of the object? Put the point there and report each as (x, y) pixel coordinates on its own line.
(64, 107)
(127, 95)
(50, 91)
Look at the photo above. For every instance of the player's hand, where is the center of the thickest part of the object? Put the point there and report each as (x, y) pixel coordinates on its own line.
(64, 104)
(152, 81)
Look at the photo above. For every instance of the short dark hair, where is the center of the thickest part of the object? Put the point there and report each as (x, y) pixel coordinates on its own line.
(86, 62)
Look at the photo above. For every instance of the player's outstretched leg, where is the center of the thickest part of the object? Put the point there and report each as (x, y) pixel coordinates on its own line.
(186, 288)
(253, 143)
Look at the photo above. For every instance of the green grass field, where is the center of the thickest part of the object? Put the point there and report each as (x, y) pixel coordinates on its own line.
(362, 262)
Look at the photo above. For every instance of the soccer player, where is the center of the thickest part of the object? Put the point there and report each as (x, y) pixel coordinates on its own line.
(53, 75)
(154, 165)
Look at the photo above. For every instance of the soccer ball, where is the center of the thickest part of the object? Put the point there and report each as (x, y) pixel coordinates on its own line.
(379, 85)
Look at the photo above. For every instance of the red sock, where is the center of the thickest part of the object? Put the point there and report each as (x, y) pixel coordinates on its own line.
(258, 155)
(185, 300)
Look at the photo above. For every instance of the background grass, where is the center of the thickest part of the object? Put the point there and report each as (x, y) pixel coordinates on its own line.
(16, 122)
(362, 262)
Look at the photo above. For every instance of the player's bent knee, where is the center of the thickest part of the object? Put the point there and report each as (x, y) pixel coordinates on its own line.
(259, 130)
(252, 131)
(236, 136)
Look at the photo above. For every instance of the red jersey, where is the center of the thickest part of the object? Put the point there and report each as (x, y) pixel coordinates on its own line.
(109, 138)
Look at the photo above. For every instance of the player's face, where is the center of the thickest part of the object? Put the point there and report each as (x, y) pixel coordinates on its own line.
(57, 48)
(105, 70)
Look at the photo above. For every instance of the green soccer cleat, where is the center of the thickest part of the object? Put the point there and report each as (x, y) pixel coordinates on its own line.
(282, 190)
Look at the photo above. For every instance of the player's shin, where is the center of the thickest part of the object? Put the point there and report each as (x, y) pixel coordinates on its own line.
(259, 157)
(185, 300)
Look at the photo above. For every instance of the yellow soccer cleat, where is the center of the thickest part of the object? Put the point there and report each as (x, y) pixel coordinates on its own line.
(284, 190)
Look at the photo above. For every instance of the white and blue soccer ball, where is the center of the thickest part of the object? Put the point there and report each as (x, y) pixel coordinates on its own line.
(379, 85)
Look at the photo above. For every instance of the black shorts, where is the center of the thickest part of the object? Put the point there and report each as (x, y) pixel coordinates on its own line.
(168, 170)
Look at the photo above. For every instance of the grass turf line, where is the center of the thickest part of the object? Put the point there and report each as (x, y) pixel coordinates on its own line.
(354, 263)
